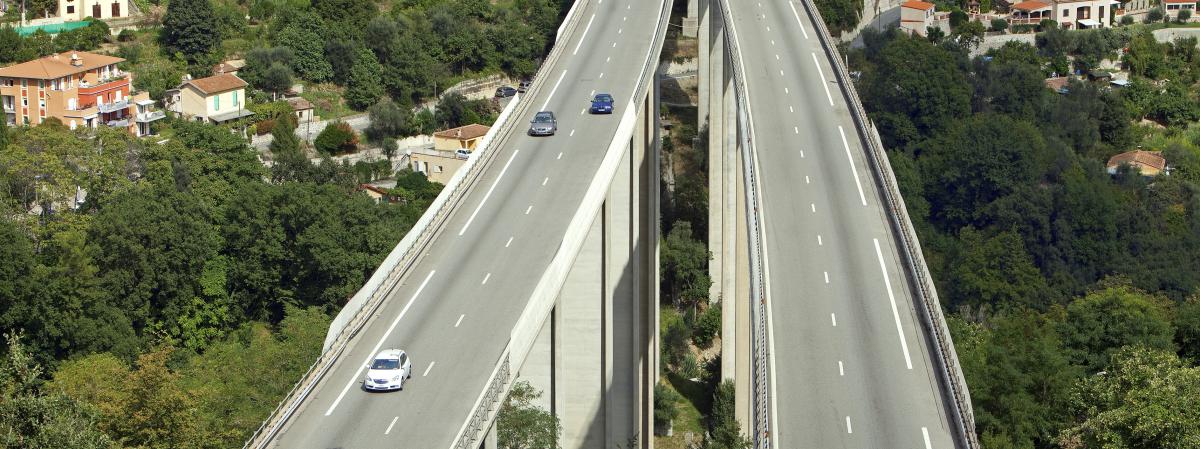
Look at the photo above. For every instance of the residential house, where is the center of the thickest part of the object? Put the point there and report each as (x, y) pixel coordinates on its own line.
(916, 16)
(1058, 83)
(1148, 163)
(1070, 14)
(302, 108)
(78, 88)
(230, 67)
(439, 166)
(380, 191)
(1173, 7)
(75, 10)
(462, 137)
(217, 99)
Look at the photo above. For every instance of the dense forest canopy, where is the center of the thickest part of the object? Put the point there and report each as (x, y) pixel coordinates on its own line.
(1054, 271)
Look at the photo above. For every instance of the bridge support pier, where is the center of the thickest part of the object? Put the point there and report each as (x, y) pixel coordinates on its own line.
(596, 356)
(727, 224)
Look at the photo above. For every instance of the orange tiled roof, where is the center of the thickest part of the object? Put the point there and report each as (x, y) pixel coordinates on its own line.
(217, 83)
(59, 65)
(467, 132)
(1032, 5)
(1152, 159)
(917, 4)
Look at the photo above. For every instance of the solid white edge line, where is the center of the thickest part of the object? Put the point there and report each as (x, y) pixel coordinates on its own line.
(460, 318)
(887, 282)
(553, 90)
(801, 22)
(389, 429)
(489, 193)
(824, 83)
(925, 435)
(853, 170)
(404, 311)
(585, 32)
(429, 368)
(777, 434)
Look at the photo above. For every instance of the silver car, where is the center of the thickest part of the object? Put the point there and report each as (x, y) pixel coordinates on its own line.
(543, 124)
(388, 371)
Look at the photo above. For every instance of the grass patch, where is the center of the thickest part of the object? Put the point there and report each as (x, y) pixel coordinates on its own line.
(690, 420)
(326, 98)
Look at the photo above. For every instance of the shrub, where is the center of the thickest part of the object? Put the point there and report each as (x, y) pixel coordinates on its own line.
(1183, 16)
(664, 404)
(337, 138)
(675, 336)
(707, 326)
(126, 35)
(689, 368)
(1155, 15)
(999, 24)
(264, 127)
(1126, 20)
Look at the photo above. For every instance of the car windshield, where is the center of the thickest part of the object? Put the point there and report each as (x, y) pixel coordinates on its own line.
(386, 364)
(604, 98)
(543, 117)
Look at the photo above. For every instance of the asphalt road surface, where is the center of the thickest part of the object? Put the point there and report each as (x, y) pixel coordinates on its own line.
(455, 309)
(851, 367)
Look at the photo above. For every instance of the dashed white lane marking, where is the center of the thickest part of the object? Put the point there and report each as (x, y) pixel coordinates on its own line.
(429, 368)
(806, 181)
(623, 18)
(772, 41)
(485, 278)
(798, 20)
(925, 435)
(833, 318)
(608, 58)
(853, 170)
(768, 29)
(802, 154)
(819, 241)
(572, 134)
(780, 72)
(460, 318)
(509, 242)
(354, 378)
(786, 91)
(887, 282)
(555, 89)
(841, 370)
(791, 109)
(826, 277)
(544, 181)
(824, 83)
(489, 192)
(614, 45)
(393, 424)
(776, 57)
(849, 429)
(585, 32)
(592, 93)
(601, 75)
(559, 155)
(813, 206)
(527, 209)
(582, 111)
(796, 129)
(619, 30)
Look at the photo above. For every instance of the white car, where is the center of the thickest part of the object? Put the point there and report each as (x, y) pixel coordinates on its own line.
(388, 371)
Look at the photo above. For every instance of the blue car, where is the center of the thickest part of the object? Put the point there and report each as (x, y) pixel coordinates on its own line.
(602, 104)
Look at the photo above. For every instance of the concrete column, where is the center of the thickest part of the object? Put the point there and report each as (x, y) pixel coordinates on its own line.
(538, 369)
(489, 439)
(580, 321)
(713, 86)
(691, 21)
(743, 339)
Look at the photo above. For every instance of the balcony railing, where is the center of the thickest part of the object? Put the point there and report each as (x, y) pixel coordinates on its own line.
(151, 116)
(122, 123)
(113, 107)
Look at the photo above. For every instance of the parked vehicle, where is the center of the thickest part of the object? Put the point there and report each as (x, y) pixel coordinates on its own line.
(505, 91)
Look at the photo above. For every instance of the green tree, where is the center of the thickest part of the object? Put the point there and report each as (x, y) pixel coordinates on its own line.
(336, 138)
(388, 121)
(521, 424)
(190, 28)
(366, 81)
(1146, 398)
(1187, 329)
(685, 263)
(993, 272)
(725, 430)
(1113, 317)
(308, 51)
(665, 409)
(918, 82)
(35, 419)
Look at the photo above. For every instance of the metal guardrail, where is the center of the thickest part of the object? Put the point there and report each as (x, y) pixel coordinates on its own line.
(759, 293)
(931, 313)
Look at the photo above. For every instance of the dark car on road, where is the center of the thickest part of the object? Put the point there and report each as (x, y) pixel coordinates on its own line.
(543, 124)
(506, 91)
(524, 85)
(602, 104)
